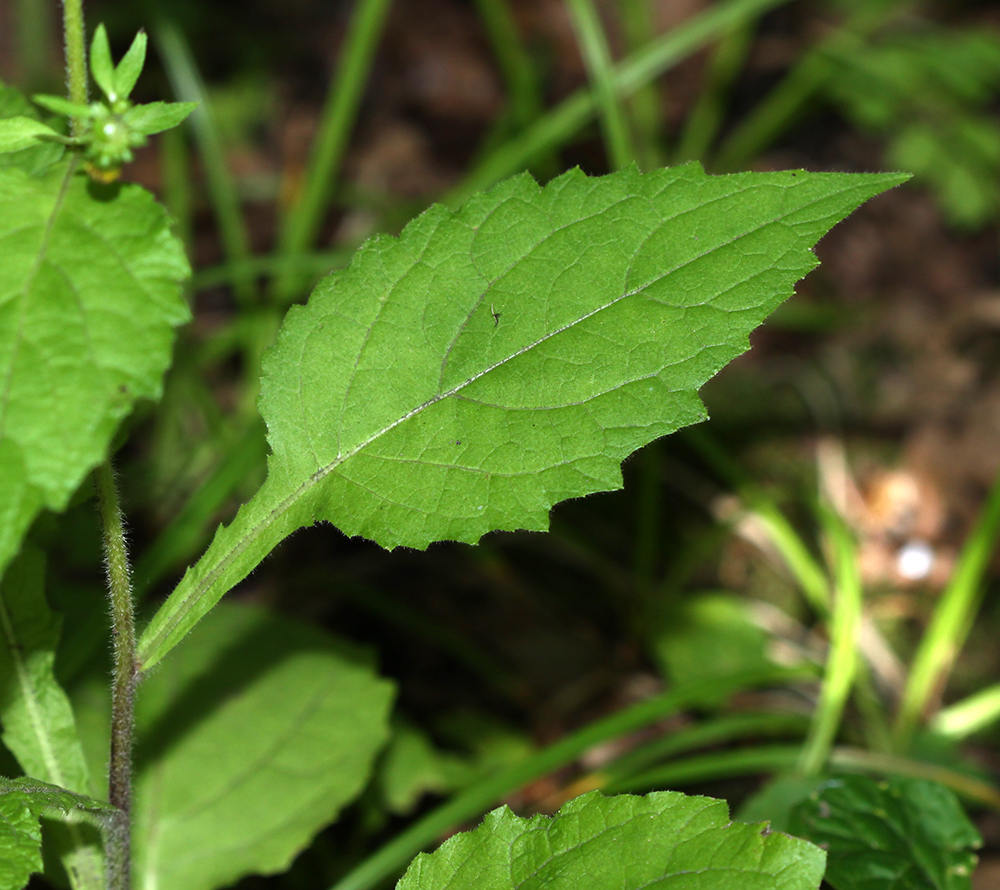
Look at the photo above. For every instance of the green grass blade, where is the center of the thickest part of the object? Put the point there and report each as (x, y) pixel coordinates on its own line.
(842, 661)
(705, 119)
(790, 98)
(561, 123)
(597, 58)
(648, 125)
(301, 224)
(515, 62)
(969, 787)
(757, 760)
(182, 72)
(950, 624)
(970, 715)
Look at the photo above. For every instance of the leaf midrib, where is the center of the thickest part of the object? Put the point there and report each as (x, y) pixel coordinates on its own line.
(235, 551)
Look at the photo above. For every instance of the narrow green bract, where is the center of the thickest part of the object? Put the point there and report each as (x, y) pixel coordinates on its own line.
(664, 841)
(492, 362)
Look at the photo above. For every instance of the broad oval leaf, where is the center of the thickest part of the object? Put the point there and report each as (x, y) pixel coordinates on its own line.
(896, 834)
(492, 362)
(663, 840)
(89, 299)
(247, 747)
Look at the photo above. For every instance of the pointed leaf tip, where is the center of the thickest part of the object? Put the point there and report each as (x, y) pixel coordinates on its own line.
(493, 361)
(101, 65)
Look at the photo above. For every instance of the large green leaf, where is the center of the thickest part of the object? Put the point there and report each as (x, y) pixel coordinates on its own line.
(247, 746)
(89, 299)
(664, 840)
(898, 834)
(35, 714)
(491, 362)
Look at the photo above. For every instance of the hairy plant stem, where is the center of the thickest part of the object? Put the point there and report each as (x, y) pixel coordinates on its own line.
(125, 678)
(76, 55)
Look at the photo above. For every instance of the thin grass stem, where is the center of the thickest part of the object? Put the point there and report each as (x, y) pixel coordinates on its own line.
(705, 119)
(301, 224)
(597, 59)
(950, 623)
(182, 71)
(564, 121)
(516, 65)
(842, 660)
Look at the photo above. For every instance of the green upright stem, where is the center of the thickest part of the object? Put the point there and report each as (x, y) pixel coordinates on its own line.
(125, 678)
(76, 54)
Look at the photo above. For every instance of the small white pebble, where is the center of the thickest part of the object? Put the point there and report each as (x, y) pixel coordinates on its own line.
(914, 560)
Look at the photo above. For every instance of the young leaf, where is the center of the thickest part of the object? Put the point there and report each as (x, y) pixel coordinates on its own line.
(130, 67)
(491, 362)
(665, 839)
(37, 719)
(248, 746)
(17, 133)
(155, 117)
(899, 834)
(89, 298)
(40, 155)
(59, 105)
(101, 65)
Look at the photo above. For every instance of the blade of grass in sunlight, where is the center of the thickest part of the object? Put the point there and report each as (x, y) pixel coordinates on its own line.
(950, 623)
(970, 715)
(842, 660)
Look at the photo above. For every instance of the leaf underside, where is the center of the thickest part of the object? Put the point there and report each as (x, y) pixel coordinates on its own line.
(492, 362)
(663, 841)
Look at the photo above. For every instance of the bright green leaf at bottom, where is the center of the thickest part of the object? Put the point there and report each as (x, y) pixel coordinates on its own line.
(899, 834)
(247, 747)
(491, 362)
(664, 840)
